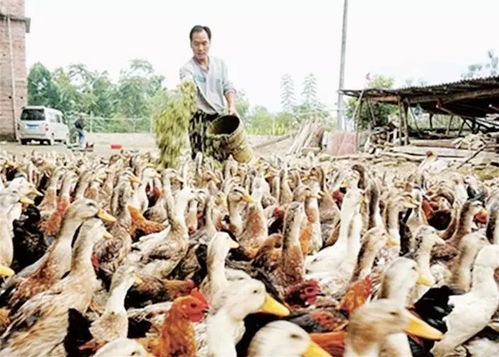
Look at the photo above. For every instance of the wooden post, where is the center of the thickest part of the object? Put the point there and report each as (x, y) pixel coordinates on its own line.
(431, 121)
(449, 125)
(461, 127)
(401, 123)
(405, 108)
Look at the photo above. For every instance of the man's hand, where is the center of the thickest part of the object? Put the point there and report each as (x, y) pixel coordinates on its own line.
(232, 110)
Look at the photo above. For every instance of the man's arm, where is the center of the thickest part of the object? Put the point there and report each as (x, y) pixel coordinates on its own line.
(229, 92)
(231, 101)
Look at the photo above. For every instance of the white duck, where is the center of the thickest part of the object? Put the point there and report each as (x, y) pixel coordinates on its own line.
(283, 338)
(473, 310)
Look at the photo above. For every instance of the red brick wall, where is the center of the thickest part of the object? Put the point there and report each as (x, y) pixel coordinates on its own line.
(18, 35)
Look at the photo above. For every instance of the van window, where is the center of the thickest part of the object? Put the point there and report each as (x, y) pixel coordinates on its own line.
(33, 114)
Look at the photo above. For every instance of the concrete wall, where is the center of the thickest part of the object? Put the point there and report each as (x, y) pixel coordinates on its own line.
(13, 9)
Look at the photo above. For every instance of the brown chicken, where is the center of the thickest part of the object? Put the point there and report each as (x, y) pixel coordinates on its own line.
(177, 336)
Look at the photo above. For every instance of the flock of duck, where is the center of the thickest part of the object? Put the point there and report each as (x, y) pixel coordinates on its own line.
(294, 257)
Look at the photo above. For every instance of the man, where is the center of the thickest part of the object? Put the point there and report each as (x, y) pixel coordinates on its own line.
(80, 130)
(214, 88)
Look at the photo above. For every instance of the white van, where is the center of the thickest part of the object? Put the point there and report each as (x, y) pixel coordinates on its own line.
(42, 124)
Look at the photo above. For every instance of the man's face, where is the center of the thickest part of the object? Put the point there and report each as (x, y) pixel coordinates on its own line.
(200, 45)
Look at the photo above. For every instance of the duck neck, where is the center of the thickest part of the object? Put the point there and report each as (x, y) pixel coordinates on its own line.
(82, 253)
(397, 290)
(367, 254)
(347, 215)
(461, 274)
(116, 301)
(391, 220)
(492, 231)
(422, 258)
(361, 346)
(223, 330)
(484, 283)
(235, 216)
(216, 269)
(463, 225)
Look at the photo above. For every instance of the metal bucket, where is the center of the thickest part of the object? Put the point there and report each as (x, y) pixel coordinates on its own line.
(228, 137)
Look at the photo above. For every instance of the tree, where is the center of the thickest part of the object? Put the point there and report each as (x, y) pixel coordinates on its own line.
(242, 104)
(489, 68)
(374, 112)
(136, 86)
(309, 92)
(287, 93)
(41, 88)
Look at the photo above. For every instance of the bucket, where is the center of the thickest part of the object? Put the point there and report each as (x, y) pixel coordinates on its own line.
(228, 137)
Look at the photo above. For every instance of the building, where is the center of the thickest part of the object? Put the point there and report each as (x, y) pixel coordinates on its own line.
(13, 79)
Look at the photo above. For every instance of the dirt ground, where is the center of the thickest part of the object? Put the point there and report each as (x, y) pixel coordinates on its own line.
(142, 142)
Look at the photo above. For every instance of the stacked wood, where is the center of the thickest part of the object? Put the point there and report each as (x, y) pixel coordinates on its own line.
(309, 136)
(381, 137)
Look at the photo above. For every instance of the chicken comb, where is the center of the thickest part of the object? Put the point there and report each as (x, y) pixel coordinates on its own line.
(195, 293)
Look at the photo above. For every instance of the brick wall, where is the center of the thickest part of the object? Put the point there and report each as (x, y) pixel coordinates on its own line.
(13, 8)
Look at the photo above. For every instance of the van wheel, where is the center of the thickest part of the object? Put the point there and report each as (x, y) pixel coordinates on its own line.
(51, 141)
(23, 141)
(66, 140)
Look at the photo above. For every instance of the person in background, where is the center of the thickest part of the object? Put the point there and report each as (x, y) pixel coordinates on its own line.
(215, 90)
(80, 130)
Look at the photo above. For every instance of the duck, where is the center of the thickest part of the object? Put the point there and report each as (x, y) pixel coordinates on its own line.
(9, 200)
(122, 347)
(225, 320)
(52, 266)
(425, 238)
(472, 311)
(461, 268)
(283, 338)
(216, 279)
(334, 266)
(39, 326)
(373, 322)
(160, 257)
(113, 323)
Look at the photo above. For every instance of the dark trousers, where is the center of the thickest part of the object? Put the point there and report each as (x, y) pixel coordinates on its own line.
(198, 125)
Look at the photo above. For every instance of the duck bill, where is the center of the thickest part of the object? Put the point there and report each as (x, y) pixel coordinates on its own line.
(107, 235)
(134, 179)
(272, 306)
(420, 328)
(106, 217)
(248, 198)
(137, 280)
(26, 200)
(233, 244)
(314, 350)
(37, 193)
(423, 280)
(6, 271)
(392, 242)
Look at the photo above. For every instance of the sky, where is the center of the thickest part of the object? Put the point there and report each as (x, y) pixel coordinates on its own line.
(260, 40)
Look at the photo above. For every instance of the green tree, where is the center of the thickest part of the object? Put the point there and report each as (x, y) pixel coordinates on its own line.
(242, 104)
(374, 112)
(136, 86)
(41, 88)
(288, 97)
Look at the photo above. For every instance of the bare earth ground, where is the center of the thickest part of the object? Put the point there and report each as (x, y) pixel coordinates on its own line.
(141, 142)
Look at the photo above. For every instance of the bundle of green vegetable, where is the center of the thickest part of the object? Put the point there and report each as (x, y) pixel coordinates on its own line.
(172, 123)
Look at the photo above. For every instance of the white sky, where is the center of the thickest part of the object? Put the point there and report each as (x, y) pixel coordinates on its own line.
(261, 40)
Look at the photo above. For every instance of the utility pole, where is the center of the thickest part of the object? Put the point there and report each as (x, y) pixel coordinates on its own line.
(340, 122)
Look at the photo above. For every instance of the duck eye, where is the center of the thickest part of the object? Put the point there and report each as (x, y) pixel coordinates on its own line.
(394, 313)
(255, 291)
(294, 336)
